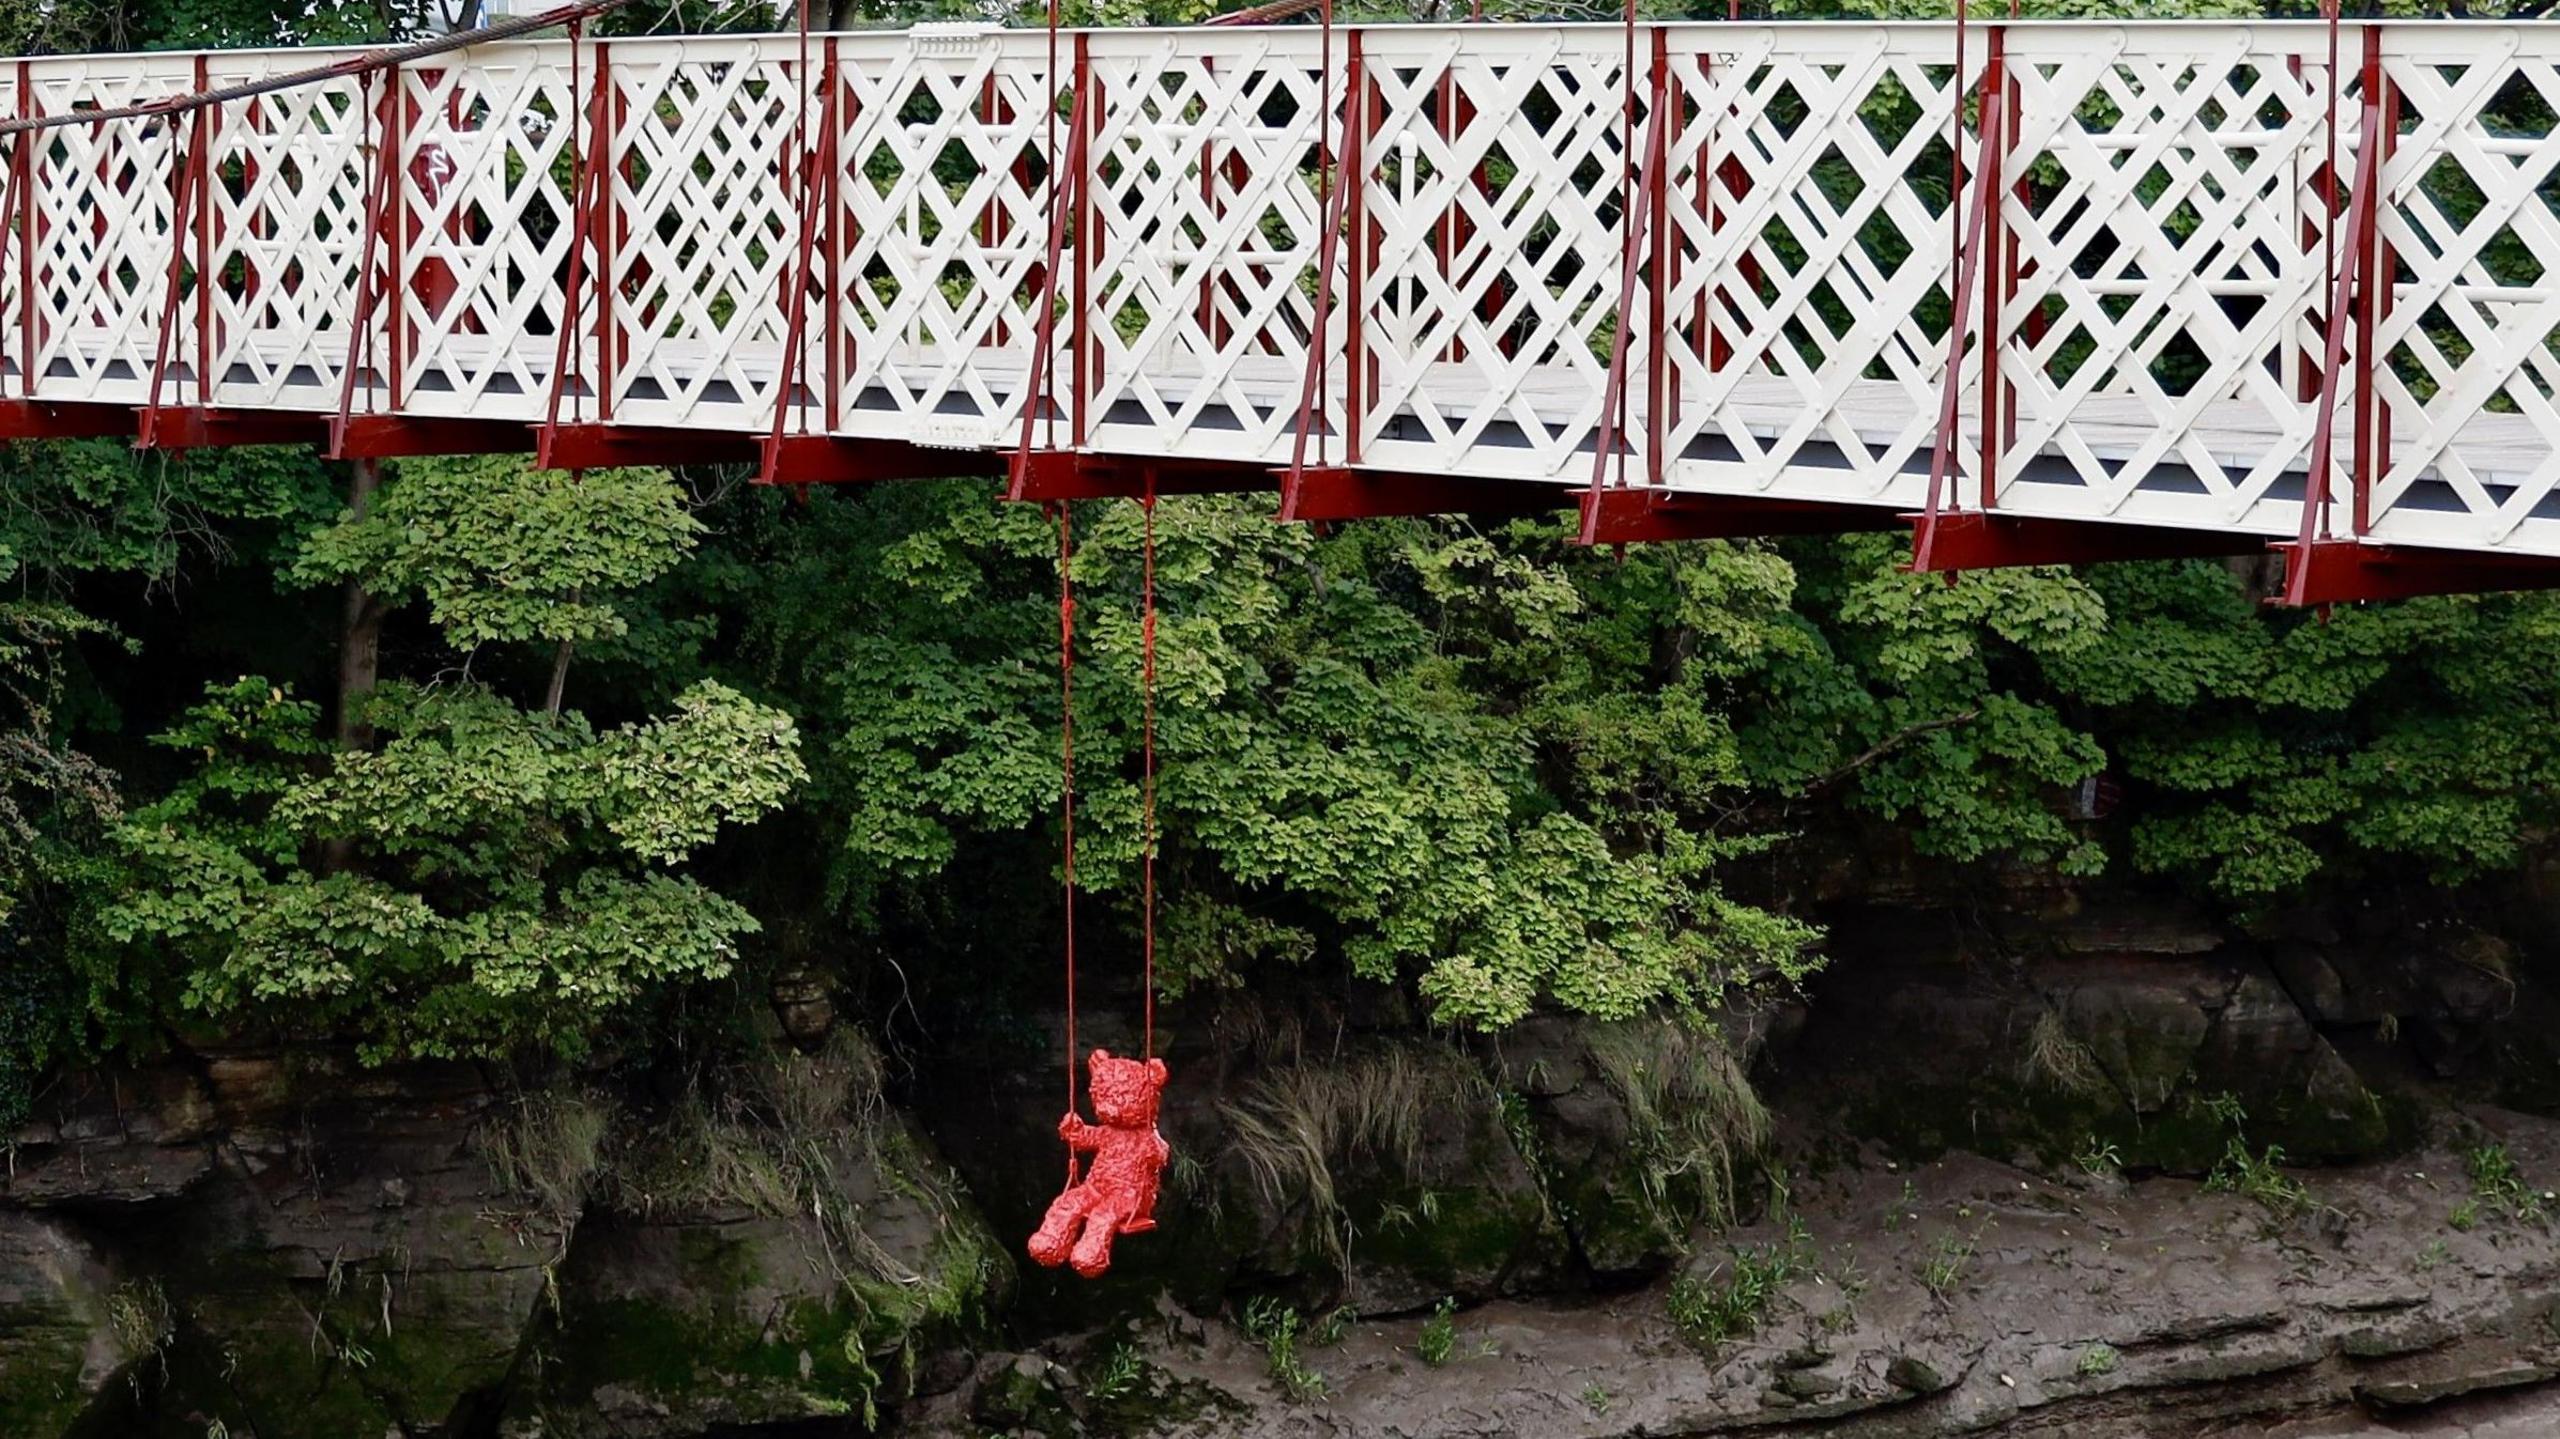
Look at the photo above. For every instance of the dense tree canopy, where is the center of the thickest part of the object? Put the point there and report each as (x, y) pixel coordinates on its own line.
(467, 759)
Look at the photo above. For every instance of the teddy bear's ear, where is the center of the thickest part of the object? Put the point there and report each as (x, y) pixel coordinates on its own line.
(1156, 1068)
(1099, 1055)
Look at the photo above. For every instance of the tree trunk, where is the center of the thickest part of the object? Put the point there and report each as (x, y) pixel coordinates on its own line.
(359, 657)
(360, 630)
(559, 679)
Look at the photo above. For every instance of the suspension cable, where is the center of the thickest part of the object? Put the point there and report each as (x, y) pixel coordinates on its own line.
(1067, 764)
(1147, 744)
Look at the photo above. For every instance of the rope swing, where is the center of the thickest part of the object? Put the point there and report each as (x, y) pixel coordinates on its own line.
(1114, 1192)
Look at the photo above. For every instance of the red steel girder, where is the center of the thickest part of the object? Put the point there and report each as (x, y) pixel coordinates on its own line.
(1619, 516)
(396, 437)
(604, 447)
(1325, 493)
(1962, 540)
(832, 460)
(2328, 572)
(205, 427)
(46, 420)
(1051, 475)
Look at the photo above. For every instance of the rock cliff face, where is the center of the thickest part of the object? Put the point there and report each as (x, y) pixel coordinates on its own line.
(2045, 1170)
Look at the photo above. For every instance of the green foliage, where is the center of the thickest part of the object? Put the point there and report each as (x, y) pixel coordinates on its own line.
(500, 551)
(1123, 1371)
(2097, 1361)
(2258, 1175)
(495, 888)
(1944, 1266)
(1414, 748)
(1275, 1326)
(1731, 1300)
(2498, 1184)
(2098, 1158)
(2275, 748)
(483, 880)
(1439, 1337)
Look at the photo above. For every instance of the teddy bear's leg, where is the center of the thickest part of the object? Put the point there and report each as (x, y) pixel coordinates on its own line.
(1093, 1251)
(1057, 1232)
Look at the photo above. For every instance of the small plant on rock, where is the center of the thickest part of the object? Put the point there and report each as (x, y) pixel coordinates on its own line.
(2097, 1360)
(1329, 1330)
(1275, 1326)
(1730, 1301)
(2258, 1176)
(2496, 1183)
(1595, 1399)
(2097, 1158)
(1949, 1256)
(1123, 1370)
(1439, 1334)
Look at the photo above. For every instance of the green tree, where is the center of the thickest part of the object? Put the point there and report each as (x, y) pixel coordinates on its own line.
(486, 878)
(1405, 746)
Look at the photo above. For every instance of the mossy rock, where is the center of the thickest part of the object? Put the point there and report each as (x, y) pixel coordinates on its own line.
(677, 1324)
(60, 1346)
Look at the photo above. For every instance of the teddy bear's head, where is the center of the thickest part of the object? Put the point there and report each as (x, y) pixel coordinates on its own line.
(1124, 1090)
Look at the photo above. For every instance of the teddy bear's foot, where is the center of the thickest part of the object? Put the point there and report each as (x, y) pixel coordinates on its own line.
(1093, 1251)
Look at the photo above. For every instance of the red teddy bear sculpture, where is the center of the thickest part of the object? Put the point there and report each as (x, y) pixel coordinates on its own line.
(1117, 1193)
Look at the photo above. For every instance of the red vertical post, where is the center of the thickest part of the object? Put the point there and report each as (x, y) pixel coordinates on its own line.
(1658, 399)
(1361, 117)
(1999, 259)
(831, 171)
(208, 130)
(1088, 234)
(2373, 280)
(2013, 269)
(395, 150)
(2386, 271)
(608, 333)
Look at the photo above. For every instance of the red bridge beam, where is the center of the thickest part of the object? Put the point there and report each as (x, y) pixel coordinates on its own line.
(44, 420)
(829, 460)
(1631, 516)
(2327, 572)
(1977, 540)
(206, 427)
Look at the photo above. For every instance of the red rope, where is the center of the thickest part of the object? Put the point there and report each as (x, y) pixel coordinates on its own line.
(1067, 759)
(1147, 802)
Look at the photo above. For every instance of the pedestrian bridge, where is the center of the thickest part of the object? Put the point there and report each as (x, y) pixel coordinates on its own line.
(2063, 291)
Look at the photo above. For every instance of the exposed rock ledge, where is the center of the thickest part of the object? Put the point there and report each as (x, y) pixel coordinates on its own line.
(2078, 1306)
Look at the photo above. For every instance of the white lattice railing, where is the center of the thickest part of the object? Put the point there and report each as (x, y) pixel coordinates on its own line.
(2158, 283)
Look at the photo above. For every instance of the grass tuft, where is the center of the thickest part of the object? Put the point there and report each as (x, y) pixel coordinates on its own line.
(1298, 1127)
(2057, 1060)
(1693, 1117)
